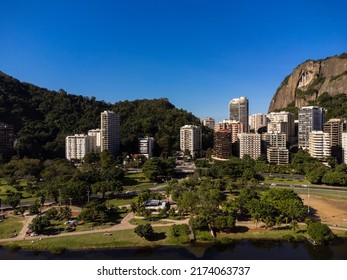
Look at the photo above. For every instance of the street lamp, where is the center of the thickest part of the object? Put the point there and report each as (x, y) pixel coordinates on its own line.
(88, 195)
(308, 199)
(70, 201)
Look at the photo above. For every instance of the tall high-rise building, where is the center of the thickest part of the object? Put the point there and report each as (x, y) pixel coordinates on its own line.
(146, 146)
(6, 141)
(311, 118)
(76, 146)
(250, 144)
(334, 127)
(344, 147)
(110, 132)
(319, 145)
(209, 122)
(257, 121)
(238, 111)
(222, 144)
(191, 139)
(282, 122)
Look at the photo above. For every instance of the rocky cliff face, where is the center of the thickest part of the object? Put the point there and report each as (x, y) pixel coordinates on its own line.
(310, 80)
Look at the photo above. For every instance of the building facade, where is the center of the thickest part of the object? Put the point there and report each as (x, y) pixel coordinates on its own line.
(319, 145)
(222, 144)
(238, 111)
(209, 122)
(282, 122)
(191, 139)
(146, 146)
(76, 146)
(249, 144)
(334, 127)
(110, 132)
(277, 155)
(344, 147)
(6, 141)
(311, 118)
(257, 121)
(94, 136)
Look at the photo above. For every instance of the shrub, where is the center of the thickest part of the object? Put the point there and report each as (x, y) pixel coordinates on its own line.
(144, 230)
(320, 233)
(181, 233)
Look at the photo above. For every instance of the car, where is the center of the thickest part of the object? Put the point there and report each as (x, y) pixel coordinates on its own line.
(69, 229)
(273, 184)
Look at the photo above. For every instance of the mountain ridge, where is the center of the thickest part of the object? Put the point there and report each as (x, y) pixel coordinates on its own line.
(310, 80)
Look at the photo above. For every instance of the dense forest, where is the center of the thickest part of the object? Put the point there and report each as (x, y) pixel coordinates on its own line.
(43, 118)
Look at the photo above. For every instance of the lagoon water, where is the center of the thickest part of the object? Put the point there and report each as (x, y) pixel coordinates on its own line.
(242, 250)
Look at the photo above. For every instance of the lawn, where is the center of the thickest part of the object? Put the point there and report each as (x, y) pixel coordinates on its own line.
(289, 181)
(5, 188)
(121, 201)
(124, 238)
(11, 225)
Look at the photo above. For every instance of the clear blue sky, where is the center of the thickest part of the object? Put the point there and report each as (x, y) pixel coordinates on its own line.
(199, 54)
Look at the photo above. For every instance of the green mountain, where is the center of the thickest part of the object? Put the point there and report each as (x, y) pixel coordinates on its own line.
(43, 118)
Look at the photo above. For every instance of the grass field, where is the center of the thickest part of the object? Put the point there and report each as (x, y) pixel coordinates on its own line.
(162, 236)
(11, 225)
(124, 238)
(288, 181)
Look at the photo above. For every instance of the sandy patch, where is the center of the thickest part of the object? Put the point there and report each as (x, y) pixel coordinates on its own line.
(329, 210)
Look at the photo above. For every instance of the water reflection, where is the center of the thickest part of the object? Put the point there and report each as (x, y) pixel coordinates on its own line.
(241, 250)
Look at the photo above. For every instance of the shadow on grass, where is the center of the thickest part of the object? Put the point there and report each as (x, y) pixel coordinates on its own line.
(156, 236)
(239, 229)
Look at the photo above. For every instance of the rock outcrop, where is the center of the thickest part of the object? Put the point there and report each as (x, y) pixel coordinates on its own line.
(310, 80)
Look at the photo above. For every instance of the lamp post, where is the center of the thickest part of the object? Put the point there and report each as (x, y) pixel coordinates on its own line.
(70, 201)
(308, 198)
(88, 195)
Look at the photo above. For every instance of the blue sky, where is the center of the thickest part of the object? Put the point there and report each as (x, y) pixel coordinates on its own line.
(199, 54)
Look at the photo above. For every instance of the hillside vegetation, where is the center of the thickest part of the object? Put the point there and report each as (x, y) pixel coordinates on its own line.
(43, 118)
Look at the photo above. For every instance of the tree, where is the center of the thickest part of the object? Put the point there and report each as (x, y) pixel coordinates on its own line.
(39, 223)
(105, 186)
(144, 230)
(64, 212)
(223, 222)
(319, 232)
(13, 200)
(35, 207)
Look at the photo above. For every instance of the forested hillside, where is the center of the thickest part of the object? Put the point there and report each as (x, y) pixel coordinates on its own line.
(43, 118)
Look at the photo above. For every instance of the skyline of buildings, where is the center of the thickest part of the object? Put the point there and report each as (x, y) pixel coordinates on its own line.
(278, 134)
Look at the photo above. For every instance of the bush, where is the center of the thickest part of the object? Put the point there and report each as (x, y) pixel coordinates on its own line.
(320, 233)
(181, 233)
(144, 230)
